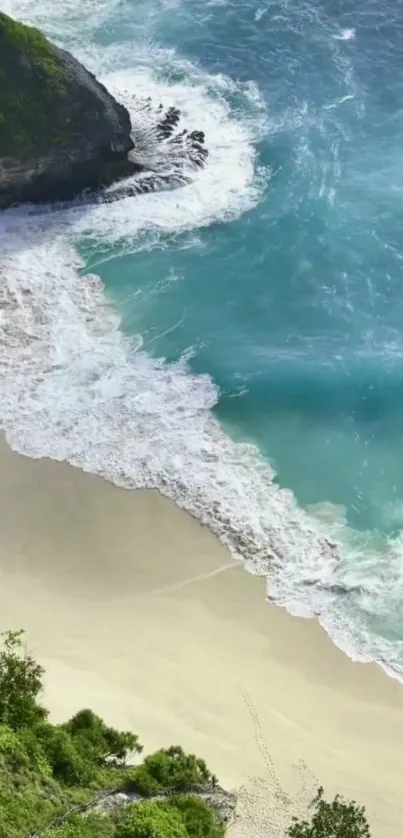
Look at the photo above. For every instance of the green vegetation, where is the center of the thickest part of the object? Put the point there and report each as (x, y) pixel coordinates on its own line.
(31, 83)
(50, 773)
(33, 45)
(151, 820)
(171, 769)
(20, 685)
(90, 826)
(198, 818)
(338, 819)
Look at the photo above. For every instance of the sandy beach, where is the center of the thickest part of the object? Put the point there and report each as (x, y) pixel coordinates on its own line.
(139, 612)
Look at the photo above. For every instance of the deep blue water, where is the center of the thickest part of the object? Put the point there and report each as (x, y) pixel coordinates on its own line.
(296, 307)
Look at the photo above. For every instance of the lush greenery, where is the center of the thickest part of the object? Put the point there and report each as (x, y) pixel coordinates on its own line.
(52, 776)
(20, 684)
(48, 773)
(31, 81)
(171, 769)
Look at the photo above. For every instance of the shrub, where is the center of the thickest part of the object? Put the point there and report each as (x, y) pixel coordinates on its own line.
(24, 810)
(36, 754)
(91, 826)
(150, 820)
(171, 769)
(143, 781)
(13, 755)
(68, 765)
(199, 819)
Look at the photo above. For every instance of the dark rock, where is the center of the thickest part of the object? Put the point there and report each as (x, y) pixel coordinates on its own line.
(167, 125)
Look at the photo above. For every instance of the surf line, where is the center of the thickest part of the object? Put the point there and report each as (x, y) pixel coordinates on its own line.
(199, 578)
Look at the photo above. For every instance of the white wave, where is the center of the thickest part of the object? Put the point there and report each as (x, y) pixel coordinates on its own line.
(74, 388)
(359, 601)
(345, 35)
(226, 186)
(261, 12)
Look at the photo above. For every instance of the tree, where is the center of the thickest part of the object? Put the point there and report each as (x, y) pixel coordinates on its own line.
(150, 820)
(171, 769)
(338, 819)
(20, 684)
(98, 741)
(68, 765)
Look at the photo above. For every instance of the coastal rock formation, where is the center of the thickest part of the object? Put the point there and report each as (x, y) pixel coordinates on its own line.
(222, 802)
(62, 133)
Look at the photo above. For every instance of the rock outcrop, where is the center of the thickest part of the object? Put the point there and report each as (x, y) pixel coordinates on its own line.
(62, 133)
(221, 801)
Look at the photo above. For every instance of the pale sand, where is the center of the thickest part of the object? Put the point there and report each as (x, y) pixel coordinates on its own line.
(102, 581)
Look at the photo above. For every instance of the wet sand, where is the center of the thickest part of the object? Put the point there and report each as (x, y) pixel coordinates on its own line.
(139, 612)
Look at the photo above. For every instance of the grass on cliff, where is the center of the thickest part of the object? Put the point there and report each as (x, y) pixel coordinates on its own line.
(31, 84)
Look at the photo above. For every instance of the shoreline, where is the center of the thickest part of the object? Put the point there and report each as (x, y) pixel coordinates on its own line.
(138, 611)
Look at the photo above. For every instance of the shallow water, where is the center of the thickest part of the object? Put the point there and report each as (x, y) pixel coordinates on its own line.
(260, 305)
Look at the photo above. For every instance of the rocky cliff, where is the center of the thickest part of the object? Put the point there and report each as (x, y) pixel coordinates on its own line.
(61, 132)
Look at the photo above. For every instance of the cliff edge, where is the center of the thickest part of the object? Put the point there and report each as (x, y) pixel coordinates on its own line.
(61, 132)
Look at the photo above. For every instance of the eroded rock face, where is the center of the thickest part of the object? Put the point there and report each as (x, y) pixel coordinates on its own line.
(221, 801)
(62, 134)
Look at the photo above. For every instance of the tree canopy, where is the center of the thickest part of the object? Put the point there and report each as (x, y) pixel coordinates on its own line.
(337, 819)
(171, 768)
(20, 683)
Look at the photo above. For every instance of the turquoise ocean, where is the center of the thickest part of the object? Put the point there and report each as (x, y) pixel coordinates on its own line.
(236, 343)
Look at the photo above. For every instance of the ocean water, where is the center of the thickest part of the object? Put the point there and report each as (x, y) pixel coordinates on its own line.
(236, 343)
